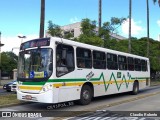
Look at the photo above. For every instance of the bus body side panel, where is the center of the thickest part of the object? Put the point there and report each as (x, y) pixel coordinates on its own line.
(111, 84)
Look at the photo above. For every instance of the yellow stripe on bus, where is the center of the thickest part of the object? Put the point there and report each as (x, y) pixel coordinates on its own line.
(93, 82)
(30, 87)
(57, 85)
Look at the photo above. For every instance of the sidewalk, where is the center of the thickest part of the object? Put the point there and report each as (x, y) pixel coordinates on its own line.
(2, 82)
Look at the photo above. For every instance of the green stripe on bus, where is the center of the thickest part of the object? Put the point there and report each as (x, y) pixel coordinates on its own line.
(139, 78)
(118, 86)
(92, 79)
(75, 79)
(33, 83)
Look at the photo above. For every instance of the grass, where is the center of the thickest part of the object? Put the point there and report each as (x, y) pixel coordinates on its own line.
(155, 82)
(8, 100)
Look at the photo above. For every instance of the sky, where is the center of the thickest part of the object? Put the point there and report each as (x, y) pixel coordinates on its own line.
(22, 17)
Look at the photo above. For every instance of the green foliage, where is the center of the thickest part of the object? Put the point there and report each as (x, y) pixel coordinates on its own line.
(68, 35)
(8, 62)
(113, 24)
(104, 32)
(54, 30)
(139, 47)
(92, 40)
(89, 35)
(111, 44)
(88, 27)
(154, 1)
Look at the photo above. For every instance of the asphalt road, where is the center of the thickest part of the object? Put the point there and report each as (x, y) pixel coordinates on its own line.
(147, 100)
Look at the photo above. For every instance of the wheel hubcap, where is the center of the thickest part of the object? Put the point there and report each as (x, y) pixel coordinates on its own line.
(86, 95)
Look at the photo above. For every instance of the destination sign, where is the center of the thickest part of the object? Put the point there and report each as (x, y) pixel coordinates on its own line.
(35, 43)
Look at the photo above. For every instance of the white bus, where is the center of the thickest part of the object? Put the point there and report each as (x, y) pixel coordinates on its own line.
(54, 70)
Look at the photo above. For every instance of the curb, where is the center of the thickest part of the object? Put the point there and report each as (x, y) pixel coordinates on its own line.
(155, 85)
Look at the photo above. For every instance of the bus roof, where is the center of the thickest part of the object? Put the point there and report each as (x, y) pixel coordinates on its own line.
(92, 47)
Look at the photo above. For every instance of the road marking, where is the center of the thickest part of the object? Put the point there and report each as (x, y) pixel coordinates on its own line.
(108, 105)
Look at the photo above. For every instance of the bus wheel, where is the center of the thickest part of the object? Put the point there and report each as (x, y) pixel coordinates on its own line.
(86, 95)
(135, 88)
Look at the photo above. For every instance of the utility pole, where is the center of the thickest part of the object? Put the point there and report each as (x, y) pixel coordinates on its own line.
(0, 57)
(147, 28)
(130, 15)
(42, 19)
(100, 13)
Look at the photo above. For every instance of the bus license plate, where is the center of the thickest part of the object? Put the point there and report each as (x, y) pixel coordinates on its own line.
(28, 97)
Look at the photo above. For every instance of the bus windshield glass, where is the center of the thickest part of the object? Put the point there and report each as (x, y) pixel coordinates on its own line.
(35, 63)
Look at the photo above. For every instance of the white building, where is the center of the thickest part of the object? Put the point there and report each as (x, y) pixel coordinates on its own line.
(75, 29)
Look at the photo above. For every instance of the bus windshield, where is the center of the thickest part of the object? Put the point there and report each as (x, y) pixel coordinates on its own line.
(35, 63)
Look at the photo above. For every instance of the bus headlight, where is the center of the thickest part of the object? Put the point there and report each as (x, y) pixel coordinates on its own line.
(46, 87)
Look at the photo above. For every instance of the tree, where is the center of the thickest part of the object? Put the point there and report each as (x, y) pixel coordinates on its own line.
(109, 28)
(89, 31)
(156, 1)
(54, 30)
(88, 27)
(9, 62)
(68, 35)
(89, 34)
(91, 40)
(139, 48)
(113, 25)
(42, 19)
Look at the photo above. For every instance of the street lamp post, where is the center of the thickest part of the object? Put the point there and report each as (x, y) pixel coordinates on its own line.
(0, 56)
(22, 37)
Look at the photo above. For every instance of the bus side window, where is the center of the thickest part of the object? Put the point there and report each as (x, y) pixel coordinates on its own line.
(64, 59)
(130, 62)
(122, 62)
(137, 63)
(84, 58)
(112, 61)
(144, 65)
(99, 60)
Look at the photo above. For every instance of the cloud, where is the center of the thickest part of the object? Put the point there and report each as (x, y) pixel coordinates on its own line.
(158, 22)
(14, 42)
(135, 28)
(74, 20)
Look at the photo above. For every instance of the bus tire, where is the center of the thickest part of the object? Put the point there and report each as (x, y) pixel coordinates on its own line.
(86, 95)
(135, 88)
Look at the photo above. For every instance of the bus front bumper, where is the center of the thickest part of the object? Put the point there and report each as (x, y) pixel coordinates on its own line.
(45, 97)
